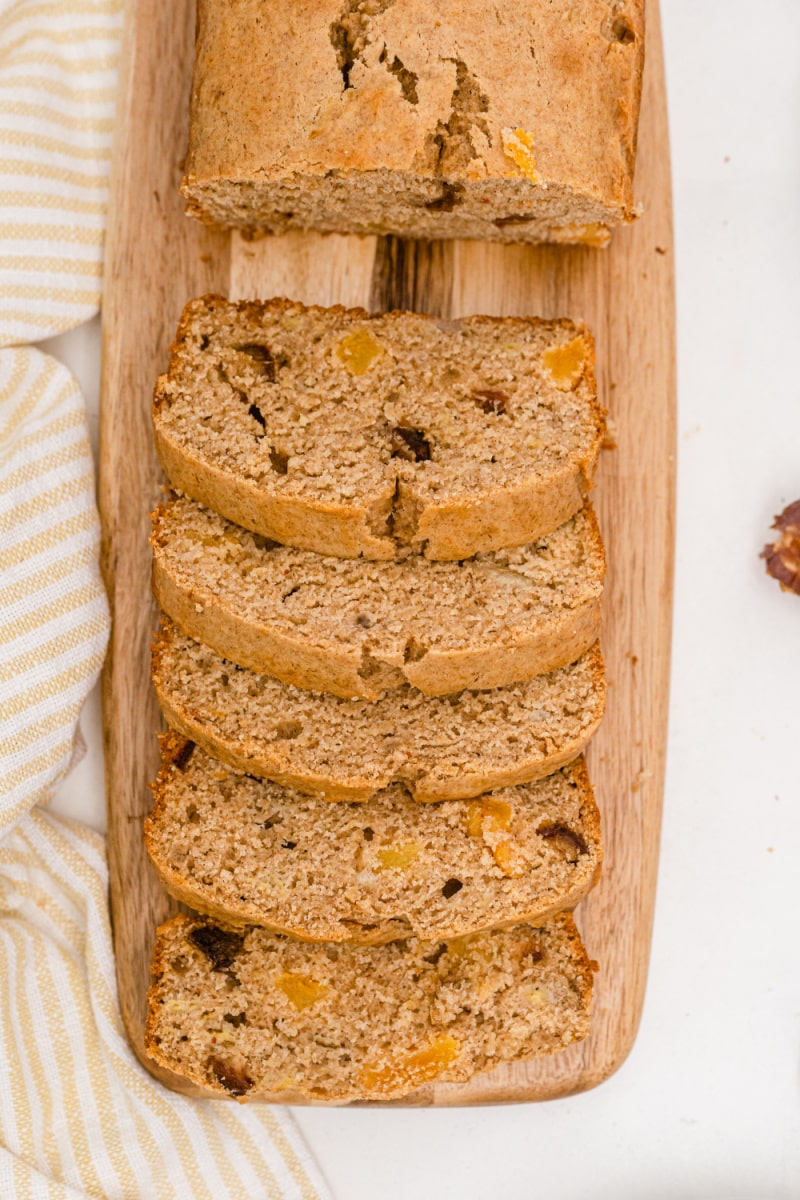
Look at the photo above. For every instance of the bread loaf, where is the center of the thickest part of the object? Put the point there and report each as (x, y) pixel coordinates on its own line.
(514, 121)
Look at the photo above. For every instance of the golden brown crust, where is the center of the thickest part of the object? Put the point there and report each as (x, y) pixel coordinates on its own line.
(531, 653)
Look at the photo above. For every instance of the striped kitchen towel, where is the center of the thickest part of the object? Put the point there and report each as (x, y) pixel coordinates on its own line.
(54, 611)
(79, 1115)
(58, 67)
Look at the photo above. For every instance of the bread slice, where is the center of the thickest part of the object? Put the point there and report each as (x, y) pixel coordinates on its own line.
(511, 121)
(248, 851)
(359, 628)
(257, 1016)
(440, 747)
(350, 434)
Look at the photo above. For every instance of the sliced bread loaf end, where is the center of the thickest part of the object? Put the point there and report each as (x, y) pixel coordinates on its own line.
(255, 1016)
(510, 122)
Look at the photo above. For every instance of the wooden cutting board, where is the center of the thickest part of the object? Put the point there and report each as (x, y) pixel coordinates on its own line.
(156, 259)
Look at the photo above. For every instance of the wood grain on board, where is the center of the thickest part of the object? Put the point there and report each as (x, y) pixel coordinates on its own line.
(156, 259)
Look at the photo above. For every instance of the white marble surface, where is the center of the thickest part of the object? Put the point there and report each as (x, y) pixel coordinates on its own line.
(708, 1104)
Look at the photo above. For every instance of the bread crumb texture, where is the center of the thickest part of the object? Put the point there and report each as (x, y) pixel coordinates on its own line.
(256, 1016)
(380, 435)
(509, 122)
